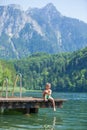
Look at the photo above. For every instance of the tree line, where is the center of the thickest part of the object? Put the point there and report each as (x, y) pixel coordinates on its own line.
(67, 72)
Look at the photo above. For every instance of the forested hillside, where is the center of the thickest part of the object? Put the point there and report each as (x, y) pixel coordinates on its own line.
(65, 71)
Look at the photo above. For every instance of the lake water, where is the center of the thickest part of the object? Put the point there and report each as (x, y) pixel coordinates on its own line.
(73, 115)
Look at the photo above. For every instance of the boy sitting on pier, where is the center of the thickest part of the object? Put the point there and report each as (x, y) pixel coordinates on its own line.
(47, 95)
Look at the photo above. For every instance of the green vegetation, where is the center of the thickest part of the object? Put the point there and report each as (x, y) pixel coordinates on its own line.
(7, 70)
(65, 71)
(10, 89)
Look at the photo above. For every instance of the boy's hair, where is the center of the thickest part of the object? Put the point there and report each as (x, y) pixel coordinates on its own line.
(48, 84)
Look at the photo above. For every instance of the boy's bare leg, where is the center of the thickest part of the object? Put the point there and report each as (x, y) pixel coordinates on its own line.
(53, 102)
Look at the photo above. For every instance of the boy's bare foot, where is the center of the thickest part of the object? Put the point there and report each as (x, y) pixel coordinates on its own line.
(54, 109)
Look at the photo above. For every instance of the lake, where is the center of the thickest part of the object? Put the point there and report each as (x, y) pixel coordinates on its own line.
(73, 115)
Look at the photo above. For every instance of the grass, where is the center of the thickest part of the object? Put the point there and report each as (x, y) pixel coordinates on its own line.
(16, 89)
(34, 90)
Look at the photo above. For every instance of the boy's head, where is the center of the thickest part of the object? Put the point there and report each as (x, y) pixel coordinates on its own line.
(48, 85)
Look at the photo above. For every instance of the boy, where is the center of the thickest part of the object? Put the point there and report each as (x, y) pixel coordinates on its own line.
(47, 95)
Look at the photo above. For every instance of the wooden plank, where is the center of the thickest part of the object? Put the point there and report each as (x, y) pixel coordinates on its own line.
(27, 99)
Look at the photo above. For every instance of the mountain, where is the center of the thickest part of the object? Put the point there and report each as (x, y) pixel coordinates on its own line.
(38, 30)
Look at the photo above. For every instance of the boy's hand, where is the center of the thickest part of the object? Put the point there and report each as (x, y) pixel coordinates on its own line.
(45, 100)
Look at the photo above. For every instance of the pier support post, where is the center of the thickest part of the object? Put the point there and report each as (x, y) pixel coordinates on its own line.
(2, 110)
(32, 110)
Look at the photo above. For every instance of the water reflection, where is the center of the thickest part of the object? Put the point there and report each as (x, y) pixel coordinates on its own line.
(51, 127)
(31, 122)
(50, 121)
(73, 116)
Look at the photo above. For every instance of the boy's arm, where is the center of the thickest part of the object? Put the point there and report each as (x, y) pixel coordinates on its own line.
(44, 93)
(50, 92)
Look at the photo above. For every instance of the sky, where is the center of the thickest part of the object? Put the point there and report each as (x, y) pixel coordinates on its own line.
(70, 8)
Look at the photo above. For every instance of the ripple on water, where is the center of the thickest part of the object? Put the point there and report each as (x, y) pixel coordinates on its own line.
(73, 116)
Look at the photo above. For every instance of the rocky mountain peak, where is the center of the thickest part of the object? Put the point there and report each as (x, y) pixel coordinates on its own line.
(38, 30)
(15, 6)
(50, 8)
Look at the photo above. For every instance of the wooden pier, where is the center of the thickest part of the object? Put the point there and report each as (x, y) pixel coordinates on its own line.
(27, 104)
(23, 104)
